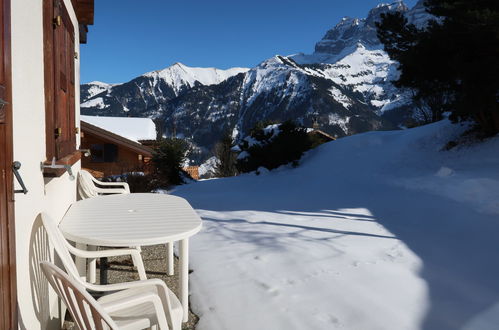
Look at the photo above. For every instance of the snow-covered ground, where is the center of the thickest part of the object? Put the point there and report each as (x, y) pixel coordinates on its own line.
(380, 230)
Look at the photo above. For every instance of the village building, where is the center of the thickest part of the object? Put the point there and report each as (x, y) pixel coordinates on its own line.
(319, 137)
(115, 145)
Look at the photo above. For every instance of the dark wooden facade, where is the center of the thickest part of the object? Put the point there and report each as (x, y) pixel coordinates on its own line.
(112, 154)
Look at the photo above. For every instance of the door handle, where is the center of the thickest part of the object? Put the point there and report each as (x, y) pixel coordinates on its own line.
(15, 168)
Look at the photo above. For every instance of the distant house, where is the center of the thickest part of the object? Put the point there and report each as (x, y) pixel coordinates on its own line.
(115, 144)
(319, 137)
(193, 171)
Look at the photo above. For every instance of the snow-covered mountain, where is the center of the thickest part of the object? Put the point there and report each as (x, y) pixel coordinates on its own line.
(180, 76)
(344, 87)
(350, 32)
(88, 91)
(144, 95)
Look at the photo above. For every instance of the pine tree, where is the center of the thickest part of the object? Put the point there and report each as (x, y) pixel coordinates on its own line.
(273, 150)
(452, 64)
(168, 159)
(226, 165)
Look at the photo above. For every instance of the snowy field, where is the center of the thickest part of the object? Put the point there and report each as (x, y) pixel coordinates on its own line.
(375, 231)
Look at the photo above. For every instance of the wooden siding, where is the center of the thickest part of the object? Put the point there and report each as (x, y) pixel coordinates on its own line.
(127, 159)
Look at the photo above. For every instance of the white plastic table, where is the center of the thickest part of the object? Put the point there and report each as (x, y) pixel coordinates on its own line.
(135, 220)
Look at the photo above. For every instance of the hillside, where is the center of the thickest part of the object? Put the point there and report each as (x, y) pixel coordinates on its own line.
(381, 230)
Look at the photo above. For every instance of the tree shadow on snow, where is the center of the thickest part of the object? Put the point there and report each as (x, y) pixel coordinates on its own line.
(457, 245)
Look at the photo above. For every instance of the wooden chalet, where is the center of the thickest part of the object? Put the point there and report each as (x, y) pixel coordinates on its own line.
(112, 154)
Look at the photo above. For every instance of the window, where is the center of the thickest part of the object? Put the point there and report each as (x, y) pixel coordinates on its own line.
(59, 53)
(104, 153)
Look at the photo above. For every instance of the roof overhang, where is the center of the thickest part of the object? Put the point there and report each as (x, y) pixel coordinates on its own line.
(319, 132)
(84, 10)
(114, 138)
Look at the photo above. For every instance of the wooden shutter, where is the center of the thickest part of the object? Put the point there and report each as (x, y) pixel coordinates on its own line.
(64, 82)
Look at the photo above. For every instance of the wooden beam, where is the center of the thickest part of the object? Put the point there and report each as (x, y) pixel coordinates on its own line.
(83, 29)
(84, 10)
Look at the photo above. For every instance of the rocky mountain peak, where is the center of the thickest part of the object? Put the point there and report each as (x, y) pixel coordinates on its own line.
(349, 32)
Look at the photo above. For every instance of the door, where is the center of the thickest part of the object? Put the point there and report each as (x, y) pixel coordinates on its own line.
(8, 296)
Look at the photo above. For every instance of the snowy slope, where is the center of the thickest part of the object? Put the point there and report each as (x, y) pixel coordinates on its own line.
(380, 230)
(134, 129)
(369, 72)
(97, 87)
(207, 169)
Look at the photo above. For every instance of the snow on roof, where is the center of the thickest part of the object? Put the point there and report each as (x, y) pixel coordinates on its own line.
(134, 129)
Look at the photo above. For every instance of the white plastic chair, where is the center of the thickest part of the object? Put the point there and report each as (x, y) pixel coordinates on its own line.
(173, 308)
(88, 186)
(131, 310)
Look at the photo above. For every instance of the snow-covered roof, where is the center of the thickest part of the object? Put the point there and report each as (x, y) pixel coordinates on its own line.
(134, 129)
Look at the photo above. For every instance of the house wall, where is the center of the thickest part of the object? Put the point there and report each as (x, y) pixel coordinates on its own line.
(38, 306)
(127, 160)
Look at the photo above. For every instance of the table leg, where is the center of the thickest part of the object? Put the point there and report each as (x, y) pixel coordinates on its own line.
(81, 263)
(92, 266)
(169, 258)
(184, 277)
(103, 270)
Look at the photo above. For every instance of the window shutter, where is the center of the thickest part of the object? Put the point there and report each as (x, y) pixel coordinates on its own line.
(64, 114)
(110, 152)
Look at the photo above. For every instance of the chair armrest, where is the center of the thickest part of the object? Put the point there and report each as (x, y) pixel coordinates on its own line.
(163, 290)
(125, 285)
(145, 297)
(111, 190)
(107, 184)
(101, 183)
(101, 253)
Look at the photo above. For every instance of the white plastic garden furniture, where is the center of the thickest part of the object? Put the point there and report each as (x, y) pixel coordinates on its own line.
(134, 308)
(88, 186)
(135, 220)
(87, 189)
(172, 306)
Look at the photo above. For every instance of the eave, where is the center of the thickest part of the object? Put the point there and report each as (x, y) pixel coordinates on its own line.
(115, 138)
(84, 10)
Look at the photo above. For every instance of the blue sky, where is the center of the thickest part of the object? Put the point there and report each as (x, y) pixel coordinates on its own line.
(131, 37)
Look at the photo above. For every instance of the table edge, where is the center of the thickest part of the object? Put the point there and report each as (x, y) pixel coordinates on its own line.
(126, 243)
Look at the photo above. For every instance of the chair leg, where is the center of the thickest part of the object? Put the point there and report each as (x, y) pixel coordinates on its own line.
(169, 258)
(139, 263)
